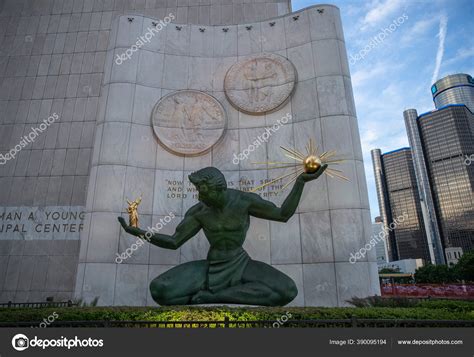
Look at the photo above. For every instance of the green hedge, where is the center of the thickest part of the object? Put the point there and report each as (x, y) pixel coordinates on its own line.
(428, 310)
(452, 305)
(396, 302)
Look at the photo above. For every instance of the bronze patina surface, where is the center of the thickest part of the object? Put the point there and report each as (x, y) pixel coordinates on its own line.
(228, 275)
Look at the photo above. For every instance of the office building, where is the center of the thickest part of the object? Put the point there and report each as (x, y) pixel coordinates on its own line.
(447, 144)
(454, 89)
(402, 201)
(442, 147)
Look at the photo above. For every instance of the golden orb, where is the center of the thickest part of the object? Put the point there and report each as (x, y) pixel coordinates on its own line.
(311, 164)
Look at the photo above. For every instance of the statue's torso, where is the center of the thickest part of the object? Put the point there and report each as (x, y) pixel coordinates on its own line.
(226, 228)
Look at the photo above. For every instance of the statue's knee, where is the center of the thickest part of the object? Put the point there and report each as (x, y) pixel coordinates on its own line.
(289, 292)
(292, 291)
(159, 289)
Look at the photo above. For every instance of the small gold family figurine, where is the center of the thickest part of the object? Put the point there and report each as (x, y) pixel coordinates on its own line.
(132, 210)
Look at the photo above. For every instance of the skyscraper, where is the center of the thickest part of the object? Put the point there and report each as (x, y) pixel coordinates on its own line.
(408, 239)
(447, 136)
(442, 148)
(454, 89)
(382, 196)
(427, 205)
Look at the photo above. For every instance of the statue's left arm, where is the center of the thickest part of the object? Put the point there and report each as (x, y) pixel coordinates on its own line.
(261, 208)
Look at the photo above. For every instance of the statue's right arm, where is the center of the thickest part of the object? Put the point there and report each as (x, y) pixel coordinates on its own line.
(185, 230)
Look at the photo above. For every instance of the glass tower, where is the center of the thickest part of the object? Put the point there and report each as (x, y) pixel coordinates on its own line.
(384, 207)
(428, 209)
(454, 89)
(409, 236)
(443, 147)
(448, 145)
(438, 173)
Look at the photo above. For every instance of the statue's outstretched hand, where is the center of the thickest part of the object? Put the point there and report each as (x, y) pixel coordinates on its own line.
(310, 177)
(131, 230)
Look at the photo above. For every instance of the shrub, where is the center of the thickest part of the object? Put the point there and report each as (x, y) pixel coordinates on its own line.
(185, 313)
(82, 303)
(401, 302)
(378, 301)
(451, 305)
(465, 267)
(436, 274)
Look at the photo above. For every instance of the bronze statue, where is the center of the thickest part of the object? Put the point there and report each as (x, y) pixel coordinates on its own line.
(228, 275)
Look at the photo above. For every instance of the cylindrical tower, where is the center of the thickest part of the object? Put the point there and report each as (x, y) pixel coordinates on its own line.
(426, 200)
(383, 202)
(454, 89)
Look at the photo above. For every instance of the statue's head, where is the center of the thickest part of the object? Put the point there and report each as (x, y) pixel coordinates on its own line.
(211, 184)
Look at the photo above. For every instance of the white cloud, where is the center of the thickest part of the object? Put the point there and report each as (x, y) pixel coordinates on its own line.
(380, 12)
(397, 75)
(418, 30)
(384, 136)
(361, 77)
(461, 54)
(443, 28)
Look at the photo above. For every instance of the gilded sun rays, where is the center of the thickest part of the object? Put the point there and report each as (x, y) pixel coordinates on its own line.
(305, 163)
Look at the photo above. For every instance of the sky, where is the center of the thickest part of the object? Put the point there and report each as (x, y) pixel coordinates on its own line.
(429, 40)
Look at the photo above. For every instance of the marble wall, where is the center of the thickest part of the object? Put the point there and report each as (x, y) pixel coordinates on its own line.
(333, 217)
(52, 60)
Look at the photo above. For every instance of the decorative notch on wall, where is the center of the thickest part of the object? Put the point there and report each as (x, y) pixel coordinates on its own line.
(202, 29)
(130, 19)
(248, 27)
(321, 11)
(272, 23)
(179, 28)
(225, 29)
(295, 18)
